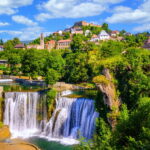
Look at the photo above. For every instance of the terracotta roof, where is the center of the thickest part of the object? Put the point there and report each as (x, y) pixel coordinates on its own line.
(51, 42)
(20, 46)
(94, 36)
(114, 32)
(62, 41)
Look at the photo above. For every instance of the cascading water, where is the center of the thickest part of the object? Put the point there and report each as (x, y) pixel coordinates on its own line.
(72, 118)
(21, 113)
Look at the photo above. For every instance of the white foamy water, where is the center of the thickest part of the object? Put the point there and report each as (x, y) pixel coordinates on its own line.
(73, 117)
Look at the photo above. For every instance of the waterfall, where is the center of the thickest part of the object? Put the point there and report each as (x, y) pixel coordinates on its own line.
(73, 117)
(21, 113)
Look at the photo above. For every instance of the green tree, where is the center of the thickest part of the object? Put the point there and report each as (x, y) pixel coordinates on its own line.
(111, 48)
(14, 61)
(1, 42)
(66, 35)
(52, 76)
(56, 62)
(105, 27)
(10, 44)
(78, 43)
(76, 68)
(33, 62)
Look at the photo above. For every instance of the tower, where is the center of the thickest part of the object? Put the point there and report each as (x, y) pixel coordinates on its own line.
(42, 41)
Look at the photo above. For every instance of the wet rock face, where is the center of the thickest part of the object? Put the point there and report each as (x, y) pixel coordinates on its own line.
(4, 133)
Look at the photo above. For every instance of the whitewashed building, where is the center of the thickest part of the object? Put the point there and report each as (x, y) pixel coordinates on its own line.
(103, 35)
(1, 48)
(87, 32)
(94, 38)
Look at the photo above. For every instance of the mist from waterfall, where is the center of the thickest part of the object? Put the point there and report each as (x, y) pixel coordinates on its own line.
(73, 117)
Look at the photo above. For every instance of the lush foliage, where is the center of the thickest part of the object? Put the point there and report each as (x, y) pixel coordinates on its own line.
(50, 100)
(129, 65)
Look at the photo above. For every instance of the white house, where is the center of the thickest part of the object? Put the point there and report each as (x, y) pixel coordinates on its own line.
(87, 32)
(94, 38)
(114, 33)
(1, 48)
(103, 35)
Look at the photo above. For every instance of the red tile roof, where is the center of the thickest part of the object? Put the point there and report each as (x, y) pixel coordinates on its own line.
(114, 32)
(63, 41)
(94, 36)
(51, 42)
(20, 46)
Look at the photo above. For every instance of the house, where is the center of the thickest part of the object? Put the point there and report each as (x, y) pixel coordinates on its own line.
(128, 34)
(114, 33)
(103, 35)
(87, 32)
(67, 30)
(59, 32)
(84, 23)
(94, 38)
(50, 44)
(63, 44)
(4, 62)
(1, 48)
(32, 46)
(20, 46)
(76, 30)
(147, 44)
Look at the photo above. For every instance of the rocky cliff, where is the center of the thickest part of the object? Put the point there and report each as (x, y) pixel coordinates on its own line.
(107, 87)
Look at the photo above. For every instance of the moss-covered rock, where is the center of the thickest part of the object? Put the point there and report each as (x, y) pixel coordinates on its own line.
(101, 79)
(51, 103)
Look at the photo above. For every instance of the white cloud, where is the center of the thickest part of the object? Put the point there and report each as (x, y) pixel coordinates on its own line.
(23, 20)
(123, 9)
(10, 6)
(24, 34)
(11, 32)
(30, 33)
(4, 23)
(134, 16)
(140, 15)
(141, 28)
(72, 8)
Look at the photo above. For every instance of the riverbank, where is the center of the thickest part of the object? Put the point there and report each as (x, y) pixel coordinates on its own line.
(16, 144)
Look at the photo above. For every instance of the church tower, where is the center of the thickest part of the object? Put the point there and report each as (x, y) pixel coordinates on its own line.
(42, 41)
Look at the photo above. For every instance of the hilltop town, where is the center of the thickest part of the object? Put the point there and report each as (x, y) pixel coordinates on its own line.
(90, 32)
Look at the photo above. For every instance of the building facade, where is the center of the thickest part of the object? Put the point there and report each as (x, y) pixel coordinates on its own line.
(20, 46)
(114, 33)
(50, 45)
(94, 38)
(1, 48)
(147, 44)
(63, 44)
(84, 23)
(103, 35)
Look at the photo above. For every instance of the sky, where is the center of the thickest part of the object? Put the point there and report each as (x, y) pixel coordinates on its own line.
(26, 19)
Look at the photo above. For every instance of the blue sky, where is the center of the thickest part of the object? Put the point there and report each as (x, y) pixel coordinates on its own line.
(26, 19)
